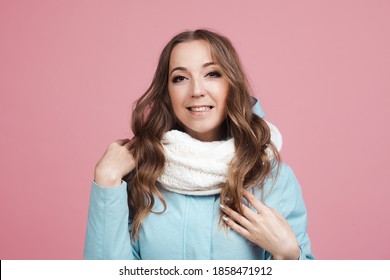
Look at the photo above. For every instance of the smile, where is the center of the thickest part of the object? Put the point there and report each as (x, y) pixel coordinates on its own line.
(200, 108)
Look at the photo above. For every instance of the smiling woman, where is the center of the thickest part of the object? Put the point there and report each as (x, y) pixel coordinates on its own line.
(198, 91)
(202, 161)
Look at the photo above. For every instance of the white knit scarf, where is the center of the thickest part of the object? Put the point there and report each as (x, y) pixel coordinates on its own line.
(194, 167)
(199, 168)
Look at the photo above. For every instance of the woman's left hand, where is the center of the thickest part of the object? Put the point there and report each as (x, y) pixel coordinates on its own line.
(266, 228)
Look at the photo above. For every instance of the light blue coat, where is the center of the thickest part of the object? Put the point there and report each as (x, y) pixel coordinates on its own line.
(188, 229)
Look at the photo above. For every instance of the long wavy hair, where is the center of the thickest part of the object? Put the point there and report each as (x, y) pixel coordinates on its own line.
(153, 116)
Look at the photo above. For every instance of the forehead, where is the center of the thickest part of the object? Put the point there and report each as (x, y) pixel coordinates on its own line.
(190, 53)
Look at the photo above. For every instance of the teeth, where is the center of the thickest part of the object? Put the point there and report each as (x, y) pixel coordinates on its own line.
(200, 109)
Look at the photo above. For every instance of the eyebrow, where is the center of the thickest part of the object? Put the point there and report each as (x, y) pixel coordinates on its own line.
(183, 68)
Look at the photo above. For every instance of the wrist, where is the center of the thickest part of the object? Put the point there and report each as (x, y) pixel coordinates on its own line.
(293, 254)
(107, 179)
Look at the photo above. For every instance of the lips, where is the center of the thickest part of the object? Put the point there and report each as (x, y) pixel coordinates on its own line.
(201, 108)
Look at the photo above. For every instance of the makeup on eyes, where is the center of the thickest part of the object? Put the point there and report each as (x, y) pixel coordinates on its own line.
(214, 73)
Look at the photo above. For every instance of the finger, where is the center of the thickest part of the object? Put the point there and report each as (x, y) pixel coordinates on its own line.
(236, 216)
(122, 141)
(249, 213)
(278, 214)
(254, 201)
(237, 228)
(128, 143)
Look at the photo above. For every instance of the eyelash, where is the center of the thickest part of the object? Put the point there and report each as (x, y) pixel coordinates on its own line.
(212, 74)
(177, 79)
(215, 74)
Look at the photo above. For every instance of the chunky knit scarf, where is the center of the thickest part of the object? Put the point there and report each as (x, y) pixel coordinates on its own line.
(194, 167)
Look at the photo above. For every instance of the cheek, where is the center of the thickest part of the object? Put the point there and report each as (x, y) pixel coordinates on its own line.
(176, 100)
(178, 93)
(223, 95)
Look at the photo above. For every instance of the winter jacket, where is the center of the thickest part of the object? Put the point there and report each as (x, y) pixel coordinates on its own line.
(189, 228)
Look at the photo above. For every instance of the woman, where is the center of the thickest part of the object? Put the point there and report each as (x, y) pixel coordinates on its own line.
(201, 179)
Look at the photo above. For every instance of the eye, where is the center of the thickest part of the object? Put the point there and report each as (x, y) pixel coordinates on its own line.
(214, 74)
(178, 79)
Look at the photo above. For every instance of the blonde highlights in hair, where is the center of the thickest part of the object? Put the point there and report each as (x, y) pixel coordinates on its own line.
(153, 116)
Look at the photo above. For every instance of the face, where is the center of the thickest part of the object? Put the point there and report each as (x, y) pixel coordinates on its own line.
(198, 90)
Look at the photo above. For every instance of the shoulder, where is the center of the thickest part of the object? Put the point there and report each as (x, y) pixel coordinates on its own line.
(281, 176)
(283, 172)
(282, 190)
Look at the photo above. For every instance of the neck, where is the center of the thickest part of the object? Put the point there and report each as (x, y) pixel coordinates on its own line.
(209, 136)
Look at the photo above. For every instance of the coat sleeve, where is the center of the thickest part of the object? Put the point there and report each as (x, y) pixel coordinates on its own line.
(294, 210)
(108, 235)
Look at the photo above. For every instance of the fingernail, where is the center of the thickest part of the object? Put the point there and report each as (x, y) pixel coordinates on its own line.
(222, 206)
(225, 218)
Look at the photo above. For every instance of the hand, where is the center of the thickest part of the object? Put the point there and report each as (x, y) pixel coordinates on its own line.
(266, 228)
(116, 163)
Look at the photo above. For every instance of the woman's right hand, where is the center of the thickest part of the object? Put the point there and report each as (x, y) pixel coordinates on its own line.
(116, 163)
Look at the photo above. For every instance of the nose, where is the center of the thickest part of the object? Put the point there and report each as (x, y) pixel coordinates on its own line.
(197, 88)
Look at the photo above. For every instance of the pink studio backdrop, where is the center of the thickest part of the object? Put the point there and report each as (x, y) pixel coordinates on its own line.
(70, 71)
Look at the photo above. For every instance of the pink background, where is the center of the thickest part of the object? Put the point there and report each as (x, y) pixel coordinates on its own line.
(70, 71)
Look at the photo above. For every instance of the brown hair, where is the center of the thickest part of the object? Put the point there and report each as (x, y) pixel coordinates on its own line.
(153, 116)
